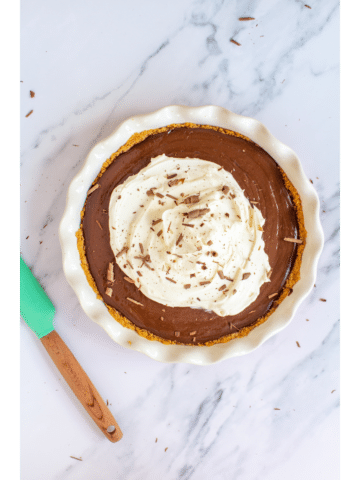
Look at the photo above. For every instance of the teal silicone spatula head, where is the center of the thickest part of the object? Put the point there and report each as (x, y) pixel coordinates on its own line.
(35, 306)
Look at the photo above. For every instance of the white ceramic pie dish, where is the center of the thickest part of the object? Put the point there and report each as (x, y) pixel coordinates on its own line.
(208, 115)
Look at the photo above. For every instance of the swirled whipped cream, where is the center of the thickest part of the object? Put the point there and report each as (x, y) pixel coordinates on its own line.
(183, 231)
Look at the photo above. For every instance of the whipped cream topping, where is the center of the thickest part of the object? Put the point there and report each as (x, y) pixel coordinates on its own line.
(183, 231)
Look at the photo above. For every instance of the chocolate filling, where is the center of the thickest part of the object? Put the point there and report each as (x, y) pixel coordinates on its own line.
(261, 179)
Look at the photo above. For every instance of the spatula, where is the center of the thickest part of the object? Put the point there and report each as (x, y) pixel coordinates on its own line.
(38, 312)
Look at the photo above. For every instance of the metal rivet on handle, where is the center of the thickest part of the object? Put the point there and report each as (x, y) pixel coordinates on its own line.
(111, 429)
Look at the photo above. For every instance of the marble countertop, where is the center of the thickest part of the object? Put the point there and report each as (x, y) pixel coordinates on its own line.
(270, 415)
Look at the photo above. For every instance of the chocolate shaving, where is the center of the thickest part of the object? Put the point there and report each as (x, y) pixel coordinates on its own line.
(124, 250)
(32, 94)
(221, 274)
(269, 273)
(159, 233)
(222, 287)
(168, 228)
(236, 43)
(214, 254)
(144, 258)
(197, 213)
(245, 19)
(192, 199)
(162, 319)
(160, 195)
(181, 236)
(172, 183)
(97, 221)
(93, 188)
(225, 189)
(188, 225)
(134, 301)
(110, 273)
(128, 262)
(230, 279)
(209, 243)
(148, 266)
(139, 273)
(171, 176)
(194, 339)
(108, 291)
(307, 6)
(234, 291)
(322, 299)
(141, 247)
(205, 282)
(75, 458)
(298, 344)
(192, 333)
(150, 193)
(177, 334)
(273, 295)
(28, 115)
(192, 275)
(246, 275)
(227, 215)
(233, 326)
(155, 222)
(293, 240)
(170, 196)
(188, 285)
(170, 279)
(127, 279)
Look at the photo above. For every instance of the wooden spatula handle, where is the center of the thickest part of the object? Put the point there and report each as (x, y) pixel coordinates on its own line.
(81, 385)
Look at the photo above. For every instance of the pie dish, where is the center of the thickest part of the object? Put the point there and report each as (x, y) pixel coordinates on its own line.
(189, 139)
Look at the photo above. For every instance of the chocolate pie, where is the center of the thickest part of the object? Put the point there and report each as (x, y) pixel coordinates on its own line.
(191, 234)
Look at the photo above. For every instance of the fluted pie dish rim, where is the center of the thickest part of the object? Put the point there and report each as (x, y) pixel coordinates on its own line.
(208, 115)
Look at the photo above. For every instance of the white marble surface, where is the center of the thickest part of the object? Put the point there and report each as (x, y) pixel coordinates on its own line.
(93, 64)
